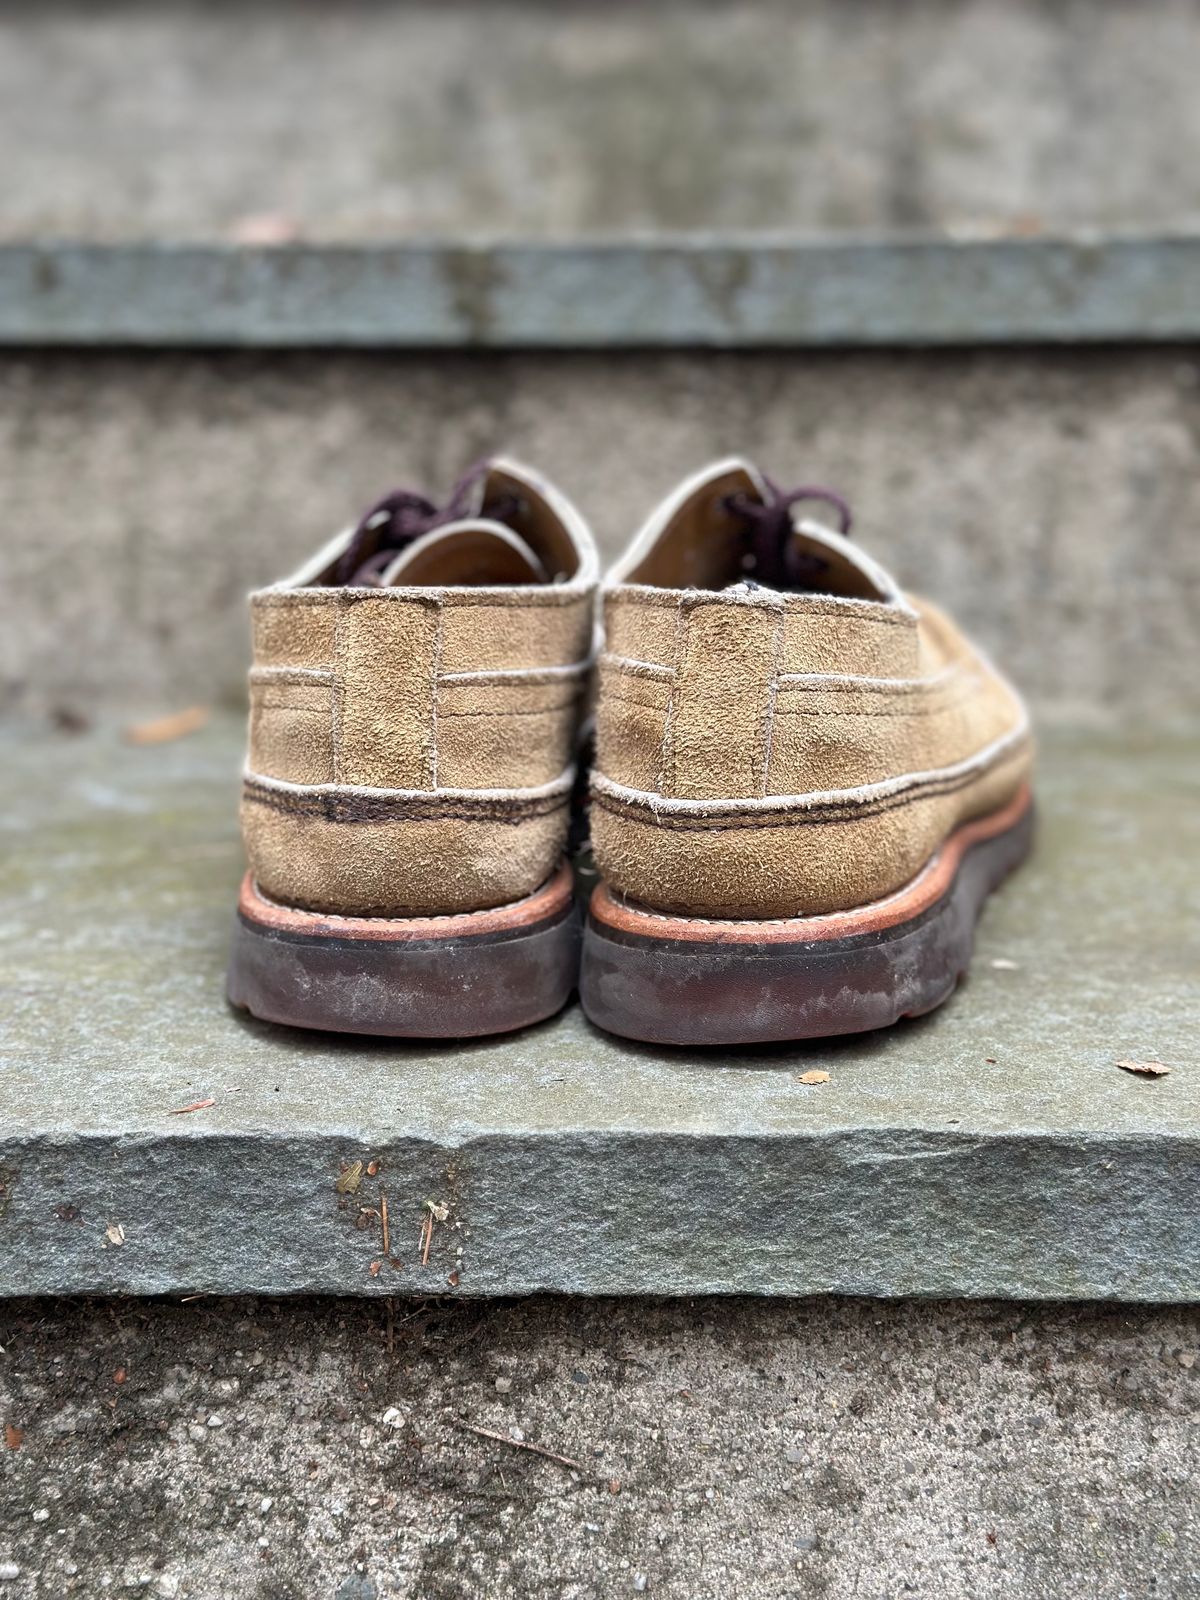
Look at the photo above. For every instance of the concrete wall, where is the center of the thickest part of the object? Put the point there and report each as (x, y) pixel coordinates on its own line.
(1051, 500)
(532, 117)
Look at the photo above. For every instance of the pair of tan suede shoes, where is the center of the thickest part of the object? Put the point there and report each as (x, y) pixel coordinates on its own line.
(805, 782)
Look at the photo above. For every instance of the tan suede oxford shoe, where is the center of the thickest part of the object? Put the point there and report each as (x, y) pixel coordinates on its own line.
(414, 711)
(806, 781)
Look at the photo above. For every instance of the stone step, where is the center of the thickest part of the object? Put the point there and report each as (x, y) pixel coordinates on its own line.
(339, 122)
(992, 1149)
(1049, 498)
(676, 291)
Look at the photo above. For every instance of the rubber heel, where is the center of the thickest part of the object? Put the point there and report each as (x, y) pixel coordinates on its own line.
(449, 977)
(693, 981)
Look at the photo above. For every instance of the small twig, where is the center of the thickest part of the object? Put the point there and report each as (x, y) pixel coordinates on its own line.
(387, 1247)
(521, 1444)
(425, 1248)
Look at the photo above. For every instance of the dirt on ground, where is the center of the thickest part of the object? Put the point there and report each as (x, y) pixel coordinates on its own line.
(568, 1449)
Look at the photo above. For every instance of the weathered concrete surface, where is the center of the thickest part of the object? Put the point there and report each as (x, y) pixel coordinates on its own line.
(1050, 500)
(994, 1148)
(184, 120)
(792, 1451)
(689, 291)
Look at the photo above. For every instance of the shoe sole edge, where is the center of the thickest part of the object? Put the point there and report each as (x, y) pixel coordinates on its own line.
(697, 981)
(463, 975)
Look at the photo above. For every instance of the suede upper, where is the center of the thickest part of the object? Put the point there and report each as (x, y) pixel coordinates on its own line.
(413, 729)
(779, 751)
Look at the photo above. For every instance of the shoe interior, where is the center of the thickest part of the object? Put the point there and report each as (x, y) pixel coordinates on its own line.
(731, 528)
(500, 526)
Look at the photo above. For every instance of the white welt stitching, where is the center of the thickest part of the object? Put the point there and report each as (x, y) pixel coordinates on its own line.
(291, 675)
(635, 667)
(816, 799)
(519, 675)
(846, 680)
(541, 791)
(435, 667)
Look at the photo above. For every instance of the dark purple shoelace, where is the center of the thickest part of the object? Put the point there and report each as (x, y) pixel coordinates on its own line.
(404, 515)
(777, 560)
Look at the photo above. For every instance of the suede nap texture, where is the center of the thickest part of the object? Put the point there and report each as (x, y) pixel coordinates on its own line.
(411, 749)
(772, 753)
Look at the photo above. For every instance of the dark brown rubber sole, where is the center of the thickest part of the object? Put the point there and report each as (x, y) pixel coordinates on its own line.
(452, 977)
(692, 981)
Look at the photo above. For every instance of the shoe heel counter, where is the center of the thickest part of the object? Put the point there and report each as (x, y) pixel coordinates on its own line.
(687, 717)
(756, 697)
(346, 807)
(393, 855)
(341, 702)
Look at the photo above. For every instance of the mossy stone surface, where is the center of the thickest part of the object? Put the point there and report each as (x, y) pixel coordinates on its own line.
(992, 1149)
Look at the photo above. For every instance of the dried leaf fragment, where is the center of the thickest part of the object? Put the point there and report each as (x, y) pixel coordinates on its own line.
(265, 228)
(813, 1077)
(439, 1211)
(114, 1234)
(375, 1268)
(196, 1105)
(14, 1437)
(161, 730)
(348, 1181)
(1145, 1069)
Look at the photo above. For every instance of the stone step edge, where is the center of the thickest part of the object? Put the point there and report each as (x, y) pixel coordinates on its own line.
(687, 291)
(917, 1211)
